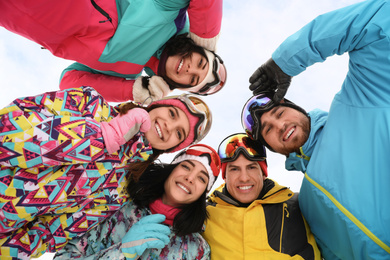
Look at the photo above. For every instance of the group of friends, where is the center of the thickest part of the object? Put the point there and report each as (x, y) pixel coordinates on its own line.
(81, 178)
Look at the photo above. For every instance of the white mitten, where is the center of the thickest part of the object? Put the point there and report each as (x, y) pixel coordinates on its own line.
(157, 89)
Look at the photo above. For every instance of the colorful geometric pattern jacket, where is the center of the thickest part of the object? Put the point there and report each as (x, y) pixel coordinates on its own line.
(104, 242)
(57, 181)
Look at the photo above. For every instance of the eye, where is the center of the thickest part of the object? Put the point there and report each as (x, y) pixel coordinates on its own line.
(201, 178)
(192, 80)
(280, 114)
(179, 134)
(185, 166)
(200, 63)
(171, 113)
(268, 130)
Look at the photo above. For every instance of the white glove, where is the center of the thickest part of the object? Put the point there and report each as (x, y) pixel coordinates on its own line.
(156, 89)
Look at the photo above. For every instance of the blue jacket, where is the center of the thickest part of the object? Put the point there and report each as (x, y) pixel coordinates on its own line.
(346, 186)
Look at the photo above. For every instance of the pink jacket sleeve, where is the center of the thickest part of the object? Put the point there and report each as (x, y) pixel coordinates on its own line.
(205, 22)
(113, 89)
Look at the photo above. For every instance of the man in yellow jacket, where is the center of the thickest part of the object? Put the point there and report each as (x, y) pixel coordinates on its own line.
(251, 216)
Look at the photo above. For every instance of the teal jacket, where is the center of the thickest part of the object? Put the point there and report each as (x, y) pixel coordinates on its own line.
(346, 186)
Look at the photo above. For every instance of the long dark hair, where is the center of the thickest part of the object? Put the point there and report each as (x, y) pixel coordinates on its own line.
(150, 186)
(178, 45)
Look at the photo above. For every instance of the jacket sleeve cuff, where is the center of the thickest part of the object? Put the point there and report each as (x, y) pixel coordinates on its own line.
(207, 43)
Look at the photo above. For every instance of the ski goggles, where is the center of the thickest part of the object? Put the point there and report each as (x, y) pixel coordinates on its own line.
(198, 107)
(215, 78)
(231, 147)
(255, 106)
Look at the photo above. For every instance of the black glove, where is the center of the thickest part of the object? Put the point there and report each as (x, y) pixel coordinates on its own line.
(270, 78)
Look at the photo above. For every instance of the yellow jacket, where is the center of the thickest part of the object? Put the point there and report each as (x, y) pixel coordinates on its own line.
(271, 227)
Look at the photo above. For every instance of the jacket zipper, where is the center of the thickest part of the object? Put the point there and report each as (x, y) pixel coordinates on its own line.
(287, 215)
(100, 10)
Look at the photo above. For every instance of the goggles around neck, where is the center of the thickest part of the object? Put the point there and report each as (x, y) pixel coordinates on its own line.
(231, 147)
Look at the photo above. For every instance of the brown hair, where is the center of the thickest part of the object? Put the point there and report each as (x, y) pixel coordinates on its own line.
(137, 168)
(178, 45)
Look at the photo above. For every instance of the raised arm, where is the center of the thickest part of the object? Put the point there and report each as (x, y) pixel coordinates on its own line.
(205, 22)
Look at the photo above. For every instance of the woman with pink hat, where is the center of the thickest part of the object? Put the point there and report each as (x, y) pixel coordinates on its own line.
(66, 156)
(164, 217)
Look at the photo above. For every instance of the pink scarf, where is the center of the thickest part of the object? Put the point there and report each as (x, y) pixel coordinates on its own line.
(158, 207)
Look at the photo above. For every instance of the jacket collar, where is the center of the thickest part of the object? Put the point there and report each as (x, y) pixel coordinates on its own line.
(270, 188)
(299, 162)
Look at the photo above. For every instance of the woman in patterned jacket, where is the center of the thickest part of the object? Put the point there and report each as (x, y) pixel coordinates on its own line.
(173, 194)
(65, 157)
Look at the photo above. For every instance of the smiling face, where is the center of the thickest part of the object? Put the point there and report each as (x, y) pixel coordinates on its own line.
(188, 70)
(285, 129)
(186, 183)
(170, 127)
(244, 179)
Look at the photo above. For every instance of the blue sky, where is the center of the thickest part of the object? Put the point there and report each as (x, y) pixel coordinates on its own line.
(251, 31)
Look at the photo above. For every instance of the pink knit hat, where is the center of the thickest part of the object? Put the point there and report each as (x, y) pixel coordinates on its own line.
(198, 115)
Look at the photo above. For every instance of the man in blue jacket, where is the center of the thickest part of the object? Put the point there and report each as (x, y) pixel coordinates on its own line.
(344, 154)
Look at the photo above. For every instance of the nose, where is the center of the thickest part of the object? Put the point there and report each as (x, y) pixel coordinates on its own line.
(190, 177)
(192, 69)
(279, 125)
(244, 176)
(189, 68)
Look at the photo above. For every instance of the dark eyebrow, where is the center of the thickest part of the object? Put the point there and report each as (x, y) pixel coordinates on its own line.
(193, 165)
(253, 164)
(205, 173)
(273, 111)
(176, 111)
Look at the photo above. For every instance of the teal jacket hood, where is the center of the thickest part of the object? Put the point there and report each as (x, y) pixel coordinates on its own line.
(299, 162)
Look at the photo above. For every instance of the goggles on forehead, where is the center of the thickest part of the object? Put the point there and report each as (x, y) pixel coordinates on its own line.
(215, 78)
(253, 106)
(199, 108)
(231, 147)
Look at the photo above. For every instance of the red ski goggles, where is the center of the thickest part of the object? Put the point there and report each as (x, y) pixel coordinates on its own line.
(231, 147)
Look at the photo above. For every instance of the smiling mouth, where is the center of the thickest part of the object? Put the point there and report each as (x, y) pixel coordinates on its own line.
(180, 65)
(289, 133)
(183, 188)
(158, 130)
(245, 187)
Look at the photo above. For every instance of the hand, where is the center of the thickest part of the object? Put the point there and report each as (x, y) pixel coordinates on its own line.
(146, 233)
(122, 128)
(270, 78)
(148, 89)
